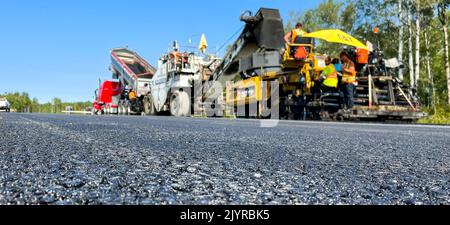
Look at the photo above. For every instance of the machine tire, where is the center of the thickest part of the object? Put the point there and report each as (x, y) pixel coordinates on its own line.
(180, 104)
(149, 107)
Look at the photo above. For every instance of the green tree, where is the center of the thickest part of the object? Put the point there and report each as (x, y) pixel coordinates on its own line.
(20, 102)
(56, 105)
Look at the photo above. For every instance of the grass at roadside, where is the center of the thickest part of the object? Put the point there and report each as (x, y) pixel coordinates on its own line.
(442, 117)
(438, 120)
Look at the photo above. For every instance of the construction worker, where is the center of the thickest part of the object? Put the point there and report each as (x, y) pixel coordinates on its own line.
(349, 81)
(330, 76)
(146, 89)
(176, 57)
(185, 60)
(294, 37)
(132, 96)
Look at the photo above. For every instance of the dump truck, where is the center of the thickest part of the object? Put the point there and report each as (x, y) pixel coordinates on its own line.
(260, 56)
(133, 74)
(106, 98)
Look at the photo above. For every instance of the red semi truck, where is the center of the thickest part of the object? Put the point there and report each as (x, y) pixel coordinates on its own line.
(107, 98)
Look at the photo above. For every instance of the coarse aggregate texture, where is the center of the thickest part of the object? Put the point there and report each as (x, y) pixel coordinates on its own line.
(66, 160)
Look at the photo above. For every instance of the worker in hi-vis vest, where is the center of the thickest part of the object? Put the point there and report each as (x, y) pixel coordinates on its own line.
(349, 81)
(330, 76)
(294, 37)
(132, 96)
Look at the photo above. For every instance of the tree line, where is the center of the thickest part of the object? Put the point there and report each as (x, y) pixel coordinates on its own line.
(414, 31)
(21, 102)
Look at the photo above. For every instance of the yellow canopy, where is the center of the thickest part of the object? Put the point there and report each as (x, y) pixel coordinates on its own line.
(336, 36)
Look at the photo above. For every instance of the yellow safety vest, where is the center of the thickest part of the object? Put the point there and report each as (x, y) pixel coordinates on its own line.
(296, 33)
(349, 78)
(332, 77)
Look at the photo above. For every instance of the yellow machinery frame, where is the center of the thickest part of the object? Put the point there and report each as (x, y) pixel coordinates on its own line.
(249, 91)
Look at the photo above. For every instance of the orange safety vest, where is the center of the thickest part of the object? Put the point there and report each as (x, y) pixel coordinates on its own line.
(296, 33)
(132, 96)
(349, 77)
(176, 56)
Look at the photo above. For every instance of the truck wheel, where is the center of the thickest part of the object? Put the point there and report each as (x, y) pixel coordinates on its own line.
(149, 107)
(180, 104)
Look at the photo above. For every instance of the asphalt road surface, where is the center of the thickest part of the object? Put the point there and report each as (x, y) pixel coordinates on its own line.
(58, 159)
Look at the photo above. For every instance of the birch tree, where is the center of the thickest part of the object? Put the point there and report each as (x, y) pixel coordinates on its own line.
(410, 45)
(442, 14)
(400, 35)
(432, 88)
(417, 7)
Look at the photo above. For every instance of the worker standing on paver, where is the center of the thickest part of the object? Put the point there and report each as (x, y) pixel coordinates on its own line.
(349, 81)
(294, 37)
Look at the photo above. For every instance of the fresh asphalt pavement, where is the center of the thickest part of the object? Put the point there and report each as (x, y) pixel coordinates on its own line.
(59, 159)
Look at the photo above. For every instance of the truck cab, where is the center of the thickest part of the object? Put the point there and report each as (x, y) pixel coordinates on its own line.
(107, 98)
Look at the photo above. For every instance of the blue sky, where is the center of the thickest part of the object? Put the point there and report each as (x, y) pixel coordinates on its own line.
(60, 48)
